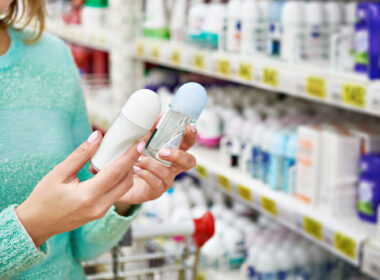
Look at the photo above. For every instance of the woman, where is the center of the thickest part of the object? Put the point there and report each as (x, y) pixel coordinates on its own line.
(54, 213)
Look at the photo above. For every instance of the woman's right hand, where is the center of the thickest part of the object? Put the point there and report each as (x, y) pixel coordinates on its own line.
(60, 202)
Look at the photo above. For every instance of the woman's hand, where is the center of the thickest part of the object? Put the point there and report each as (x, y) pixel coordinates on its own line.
(152, 179)
(60, 202)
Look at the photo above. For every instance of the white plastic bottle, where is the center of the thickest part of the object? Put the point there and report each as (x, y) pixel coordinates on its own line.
(293, 36)
(252, 28)
(266, 268)
(95, 14)
(178, 21)
(133, 122)
(197, 14)
(315, 31)
(214, 25)
(184, 110)
(156, 22)
(275, 28)
(302, 261)
(285, 264)
(334, 20)
(234, 25)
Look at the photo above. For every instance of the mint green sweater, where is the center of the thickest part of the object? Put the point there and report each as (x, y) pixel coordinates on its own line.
(43, 119)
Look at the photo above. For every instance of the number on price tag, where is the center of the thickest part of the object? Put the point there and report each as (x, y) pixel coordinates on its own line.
(201, 171)
(313, 228)
(199, 61)
(245, 71)
(244, 192)
(224, 67)
(155, 53)
(354, 95)
(140, 49)
(224, 182)
(269, 205)
(345, 245)
(102, 42)
(270, 77)
(175, 57)
(316, 87)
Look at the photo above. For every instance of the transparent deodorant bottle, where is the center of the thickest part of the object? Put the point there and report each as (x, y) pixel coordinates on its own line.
(134, 121)
(184, 110)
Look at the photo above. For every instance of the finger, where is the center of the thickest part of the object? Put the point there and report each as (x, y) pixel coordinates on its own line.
(108, 177)
(155, 185)
(119, 190)
(69, 168)
(159, 170)
(189, 138)
(181, 160)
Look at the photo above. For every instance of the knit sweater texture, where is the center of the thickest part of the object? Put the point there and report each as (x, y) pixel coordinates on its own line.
(43, 119)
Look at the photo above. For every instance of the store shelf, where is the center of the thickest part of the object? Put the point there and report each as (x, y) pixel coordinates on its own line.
(343, 237)
(347, 90)
(96, 39)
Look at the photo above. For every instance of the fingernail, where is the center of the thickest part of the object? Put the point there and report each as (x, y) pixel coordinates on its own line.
(164, 152)
(193, 129)
(92, 138)
(141, 146)
(137, 168)
(139, 159)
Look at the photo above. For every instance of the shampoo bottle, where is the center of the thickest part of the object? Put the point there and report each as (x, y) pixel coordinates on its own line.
(133, 122)
(184, 110)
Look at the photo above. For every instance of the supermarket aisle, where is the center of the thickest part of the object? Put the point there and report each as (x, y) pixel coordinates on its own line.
(285, 98)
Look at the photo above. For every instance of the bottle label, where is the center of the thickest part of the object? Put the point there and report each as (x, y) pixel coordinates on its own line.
(266, 159)
(251, 272)
(282, 275)
(266, 276)
(361, 47)
(365, 203)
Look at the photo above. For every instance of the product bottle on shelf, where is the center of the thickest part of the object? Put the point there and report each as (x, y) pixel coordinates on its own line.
(275, 28)
(253, 29)
(315, 29)
(293, 37)
(289, 172)
(233, 38)
(156, 22)
(272, 127)
(95, 14)
(213, 31)
(178, 21)
(334, 20)
(184, 110)
(277, 162)
(196, 18)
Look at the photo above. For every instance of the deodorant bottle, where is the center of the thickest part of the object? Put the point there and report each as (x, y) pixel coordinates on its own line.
(134, 121)
(185, 109)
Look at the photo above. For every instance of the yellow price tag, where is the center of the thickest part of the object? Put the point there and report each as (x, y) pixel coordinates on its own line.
(270, 77)
(155, 53)
(199, 61)
(316, 87)
(140, 49)
(269, 205)
(224, 182)
(245, 71)
(201, 171)
(345, 245)
(224, 67)
(354, 95)
(244, 192)
(175, 57)
(313, 228)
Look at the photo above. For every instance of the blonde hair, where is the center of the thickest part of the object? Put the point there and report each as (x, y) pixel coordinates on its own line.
(22, 13)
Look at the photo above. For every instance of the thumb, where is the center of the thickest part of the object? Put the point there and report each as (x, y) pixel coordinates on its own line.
(69, 168)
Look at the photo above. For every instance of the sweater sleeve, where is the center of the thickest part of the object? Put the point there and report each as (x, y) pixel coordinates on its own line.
(94, 238)
(17, 250)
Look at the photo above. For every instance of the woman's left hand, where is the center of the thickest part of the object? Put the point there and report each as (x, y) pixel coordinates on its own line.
(152, 179)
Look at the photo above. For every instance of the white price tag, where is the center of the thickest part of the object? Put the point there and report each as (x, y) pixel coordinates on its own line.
(371, 259)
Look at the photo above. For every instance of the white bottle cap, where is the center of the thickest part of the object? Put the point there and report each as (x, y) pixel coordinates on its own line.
(293, 12)
(142, 108)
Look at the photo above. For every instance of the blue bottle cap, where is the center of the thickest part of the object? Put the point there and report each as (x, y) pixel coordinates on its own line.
(190, 100)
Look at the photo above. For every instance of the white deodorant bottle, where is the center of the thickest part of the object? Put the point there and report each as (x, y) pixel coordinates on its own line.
(134, 121)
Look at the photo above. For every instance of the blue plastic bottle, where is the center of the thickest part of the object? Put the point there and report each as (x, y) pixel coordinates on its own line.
(367, 39)
(275, 28)
(369, 188)
(290, 162)
(277, 163)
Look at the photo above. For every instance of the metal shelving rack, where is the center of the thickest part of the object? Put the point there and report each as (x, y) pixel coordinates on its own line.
(128, 54)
